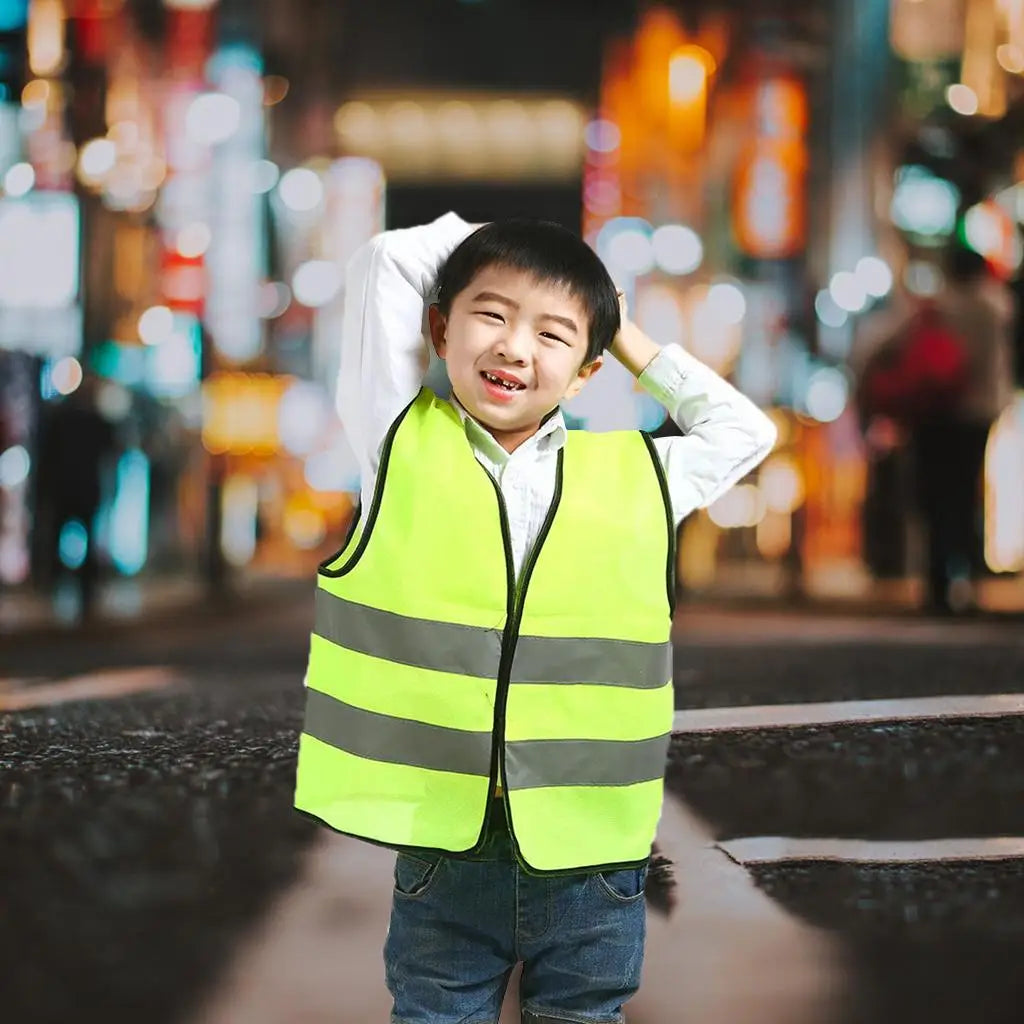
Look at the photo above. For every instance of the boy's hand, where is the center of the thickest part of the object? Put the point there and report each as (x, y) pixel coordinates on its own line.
(631, 346)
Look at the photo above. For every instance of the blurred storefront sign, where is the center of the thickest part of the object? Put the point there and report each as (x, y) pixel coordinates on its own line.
(236, 259)
(770, 206)
(39, 285)
(1004, 491)
(39, 243)
(354, 198)
(456, 136)
(17, 403)
(980, 71)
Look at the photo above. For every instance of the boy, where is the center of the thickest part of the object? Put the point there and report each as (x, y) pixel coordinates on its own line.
(489, 686)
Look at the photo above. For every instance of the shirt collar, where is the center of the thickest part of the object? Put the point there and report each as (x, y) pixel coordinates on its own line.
(551, 435)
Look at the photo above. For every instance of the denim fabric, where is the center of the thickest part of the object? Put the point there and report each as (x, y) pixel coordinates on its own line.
(458, 927)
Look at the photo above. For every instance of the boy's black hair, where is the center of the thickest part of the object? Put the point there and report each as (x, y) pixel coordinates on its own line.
(548, 252)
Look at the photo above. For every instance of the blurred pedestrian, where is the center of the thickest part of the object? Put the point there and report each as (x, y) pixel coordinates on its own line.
(938, 381)
(489, 683)
(76, 444)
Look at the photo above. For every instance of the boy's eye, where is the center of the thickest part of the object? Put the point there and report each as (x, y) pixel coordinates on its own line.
(486, 312)
(554, 337)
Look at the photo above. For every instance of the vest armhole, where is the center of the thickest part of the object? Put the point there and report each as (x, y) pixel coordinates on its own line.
(378, 494)
(322, 569)
(670, 526)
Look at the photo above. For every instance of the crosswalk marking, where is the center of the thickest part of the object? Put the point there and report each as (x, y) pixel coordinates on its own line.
(101, 685)
(769, 849)
(703, 628)
(768, 716)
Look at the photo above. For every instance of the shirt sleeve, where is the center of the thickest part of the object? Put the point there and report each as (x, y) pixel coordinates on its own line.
(389, 282)
(724, 434)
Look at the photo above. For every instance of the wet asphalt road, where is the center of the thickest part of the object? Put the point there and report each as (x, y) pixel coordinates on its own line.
(141, 836)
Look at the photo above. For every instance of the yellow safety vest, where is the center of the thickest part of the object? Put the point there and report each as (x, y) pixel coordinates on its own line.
(429, 666)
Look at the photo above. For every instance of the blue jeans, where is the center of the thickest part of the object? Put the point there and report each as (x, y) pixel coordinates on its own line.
(459, 926)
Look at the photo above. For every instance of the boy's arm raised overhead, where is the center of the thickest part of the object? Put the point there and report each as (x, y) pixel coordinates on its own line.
(724, 434)
(388, 284)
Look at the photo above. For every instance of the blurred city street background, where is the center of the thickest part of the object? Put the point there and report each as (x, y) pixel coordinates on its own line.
(799, 194)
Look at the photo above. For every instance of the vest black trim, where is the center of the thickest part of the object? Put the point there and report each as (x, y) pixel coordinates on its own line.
(516, 604)
(670, 569)
(378, 494)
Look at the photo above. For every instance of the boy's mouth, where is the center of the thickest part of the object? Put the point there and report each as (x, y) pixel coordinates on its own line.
(507, 383)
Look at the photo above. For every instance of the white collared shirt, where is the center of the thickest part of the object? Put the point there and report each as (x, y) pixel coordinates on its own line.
(384, 356)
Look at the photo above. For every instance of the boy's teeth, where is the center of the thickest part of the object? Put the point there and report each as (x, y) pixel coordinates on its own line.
(506, 384)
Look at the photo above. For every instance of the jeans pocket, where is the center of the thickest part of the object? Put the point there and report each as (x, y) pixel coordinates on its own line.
(624, 886)
(414, 875)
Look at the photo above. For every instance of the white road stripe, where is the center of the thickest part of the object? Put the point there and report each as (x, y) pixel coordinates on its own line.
(773, 716)
(9, 684)
(770, 849)
(102, 685)
(699, 628)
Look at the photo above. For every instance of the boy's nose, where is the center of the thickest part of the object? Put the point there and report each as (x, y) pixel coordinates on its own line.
(513, 346)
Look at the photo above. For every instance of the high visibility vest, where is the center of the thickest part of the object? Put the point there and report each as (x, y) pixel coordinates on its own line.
(430, 665)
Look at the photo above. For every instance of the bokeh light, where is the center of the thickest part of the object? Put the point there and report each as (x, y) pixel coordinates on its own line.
(19, 180)
(848, 292)
(156, 325)
(922, 278)
(15, 464)
(263, 176)
(316, 282)
(1010, 57)
(963, 99)
(727, 303)
(96, 160)
(602, 136)
(302, 417)
(212, 118)
(781, 483)
(194, 239)
(66, 375)
(73, 544)
(677, 249)
(274, 299)
(828, 392)
(301, 189)
(874, 275)
(828, 311)
(630, 250)
(743, 506)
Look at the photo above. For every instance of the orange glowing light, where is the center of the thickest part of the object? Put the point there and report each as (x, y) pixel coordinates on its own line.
(689, 70)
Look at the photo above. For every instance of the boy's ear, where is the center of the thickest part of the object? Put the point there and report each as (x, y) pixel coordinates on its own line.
(438, 324)
(585, 372)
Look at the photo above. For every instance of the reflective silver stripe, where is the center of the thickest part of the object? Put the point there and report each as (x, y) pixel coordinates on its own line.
(533, 763)
(396, 740)
(541, 659)
(476, 651)
(441, 646)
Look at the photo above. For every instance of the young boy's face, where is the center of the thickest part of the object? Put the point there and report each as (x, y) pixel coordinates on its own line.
(514, 349)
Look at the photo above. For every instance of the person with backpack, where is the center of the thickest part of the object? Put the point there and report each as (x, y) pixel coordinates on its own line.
(939, 380)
